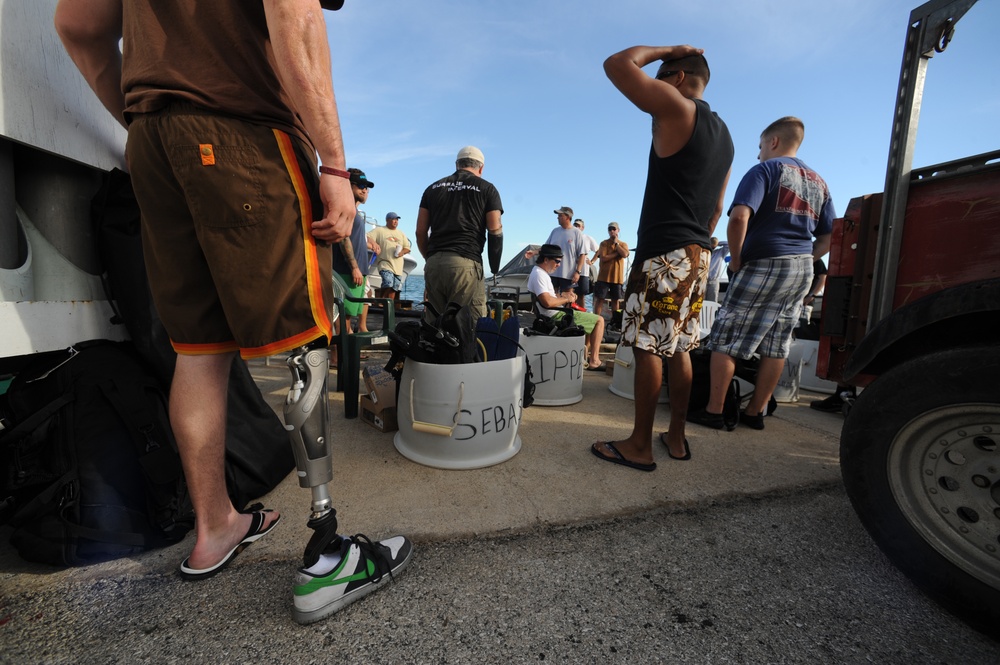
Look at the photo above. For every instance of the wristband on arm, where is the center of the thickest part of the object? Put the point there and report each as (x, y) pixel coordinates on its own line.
(328, 170)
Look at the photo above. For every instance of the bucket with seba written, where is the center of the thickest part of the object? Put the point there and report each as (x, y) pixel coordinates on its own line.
(461, 416)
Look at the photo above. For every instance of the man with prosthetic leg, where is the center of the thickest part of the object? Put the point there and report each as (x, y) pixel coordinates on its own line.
(238, 222)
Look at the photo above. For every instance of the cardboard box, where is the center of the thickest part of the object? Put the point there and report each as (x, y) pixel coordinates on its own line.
(378, 404)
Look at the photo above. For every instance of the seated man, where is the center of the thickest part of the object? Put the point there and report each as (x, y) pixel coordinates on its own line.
(540, 283)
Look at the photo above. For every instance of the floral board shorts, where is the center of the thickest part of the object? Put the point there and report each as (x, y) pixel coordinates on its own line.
(663, 300)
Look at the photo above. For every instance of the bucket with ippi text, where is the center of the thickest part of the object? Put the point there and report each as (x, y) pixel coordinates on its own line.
(556, 367)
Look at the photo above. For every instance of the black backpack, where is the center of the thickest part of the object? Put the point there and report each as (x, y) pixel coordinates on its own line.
(447, 338)
(734, 402)
(258, 454)
(701, 379)
(89, 469)
(451, 333)
(563, 326)
(450, 340)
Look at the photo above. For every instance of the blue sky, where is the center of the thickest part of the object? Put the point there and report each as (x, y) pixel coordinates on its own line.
(523, 81)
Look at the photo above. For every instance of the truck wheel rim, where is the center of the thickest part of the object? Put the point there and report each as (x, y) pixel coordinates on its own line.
(944, 472)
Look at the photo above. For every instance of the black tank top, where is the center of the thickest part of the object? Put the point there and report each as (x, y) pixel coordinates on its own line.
(682, 190)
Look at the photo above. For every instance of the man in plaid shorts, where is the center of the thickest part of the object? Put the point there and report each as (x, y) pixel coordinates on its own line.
(780, 206)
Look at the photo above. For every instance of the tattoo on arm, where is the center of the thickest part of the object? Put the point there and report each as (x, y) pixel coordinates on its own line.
(348, 249)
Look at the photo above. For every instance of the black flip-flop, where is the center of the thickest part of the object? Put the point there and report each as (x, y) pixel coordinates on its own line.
(600, 368)
(619, 458)
(687, 448)
(254, 533)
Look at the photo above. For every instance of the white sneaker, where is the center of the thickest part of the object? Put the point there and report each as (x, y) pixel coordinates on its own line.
(338, 580)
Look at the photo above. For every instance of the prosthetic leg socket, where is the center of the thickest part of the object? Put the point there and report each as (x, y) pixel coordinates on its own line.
(307, 421)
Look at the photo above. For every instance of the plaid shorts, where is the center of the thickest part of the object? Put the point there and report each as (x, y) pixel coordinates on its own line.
(390, 280)
(761, 308)
(663, 302)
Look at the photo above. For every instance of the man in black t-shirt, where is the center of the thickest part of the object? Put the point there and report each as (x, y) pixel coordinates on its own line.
(458, 215)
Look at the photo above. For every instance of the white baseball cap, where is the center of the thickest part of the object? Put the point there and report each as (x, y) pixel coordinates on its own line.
(471, 152)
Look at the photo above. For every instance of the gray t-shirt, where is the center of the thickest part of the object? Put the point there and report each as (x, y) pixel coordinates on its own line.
(571, 241)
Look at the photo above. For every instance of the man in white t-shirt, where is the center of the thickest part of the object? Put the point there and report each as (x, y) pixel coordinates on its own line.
(590, 246)
(540, 283)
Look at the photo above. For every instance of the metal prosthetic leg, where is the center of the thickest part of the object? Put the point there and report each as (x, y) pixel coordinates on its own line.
(307, 421)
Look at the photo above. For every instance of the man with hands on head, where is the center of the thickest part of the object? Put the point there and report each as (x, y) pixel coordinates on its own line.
(689, 161)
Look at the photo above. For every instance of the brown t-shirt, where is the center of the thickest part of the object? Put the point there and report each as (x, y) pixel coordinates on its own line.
(611, 271)
(215, 55)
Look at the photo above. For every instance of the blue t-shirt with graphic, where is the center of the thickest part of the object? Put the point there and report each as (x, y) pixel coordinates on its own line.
(790, 205)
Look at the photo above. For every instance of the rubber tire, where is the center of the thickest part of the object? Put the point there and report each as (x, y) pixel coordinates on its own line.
(929, 412)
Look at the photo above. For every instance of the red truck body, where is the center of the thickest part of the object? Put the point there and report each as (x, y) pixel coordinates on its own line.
(951, 239)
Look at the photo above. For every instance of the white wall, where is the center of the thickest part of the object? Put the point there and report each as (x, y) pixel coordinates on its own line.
(44, 102)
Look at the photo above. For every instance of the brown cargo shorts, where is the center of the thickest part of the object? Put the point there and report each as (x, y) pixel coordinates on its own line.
(227, 208)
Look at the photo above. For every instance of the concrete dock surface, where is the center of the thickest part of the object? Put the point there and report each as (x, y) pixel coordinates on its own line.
(551, 555)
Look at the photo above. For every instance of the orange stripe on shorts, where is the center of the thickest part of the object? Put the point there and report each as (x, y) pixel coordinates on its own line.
(281, 346)
(204, 349)
(320, 315)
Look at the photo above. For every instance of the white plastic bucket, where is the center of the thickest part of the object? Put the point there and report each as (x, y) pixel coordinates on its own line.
(556, 368)
(460, 416)
(787, 389)
(623, 379)
(706, 318)
(808, 351)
